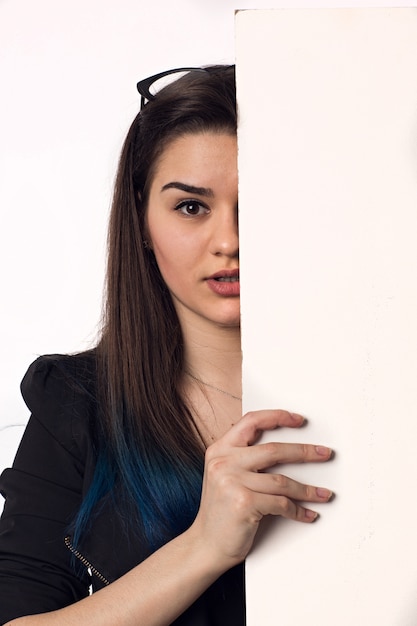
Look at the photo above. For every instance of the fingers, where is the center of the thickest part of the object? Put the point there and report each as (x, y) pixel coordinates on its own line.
(276, 494)
(267, 455)
(285, 507)
(280, 485)
(242, 437)
(248, 430)
(237, 492)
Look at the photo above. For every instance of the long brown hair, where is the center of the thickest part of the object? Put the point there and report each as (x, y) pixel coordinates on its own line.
(140, 354)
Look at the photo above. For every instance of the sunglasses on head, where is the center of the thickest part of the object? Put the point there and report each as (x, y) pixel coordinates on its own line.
(149, 87)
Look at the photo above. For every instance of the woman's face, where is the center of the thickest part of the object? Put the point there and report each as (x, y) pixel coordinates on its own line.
(192, 227)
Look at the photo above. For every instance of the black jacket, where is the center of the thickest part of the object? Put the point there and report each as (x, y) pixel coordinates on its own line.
(52, 471)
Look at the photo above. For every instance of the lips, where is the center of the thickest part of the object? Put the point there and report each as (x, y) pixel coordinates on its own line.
(225, 283)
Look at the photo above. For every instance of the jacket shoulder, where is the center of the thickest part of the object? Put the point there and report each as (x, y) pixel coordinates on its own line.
(51, 377)
(60, 392)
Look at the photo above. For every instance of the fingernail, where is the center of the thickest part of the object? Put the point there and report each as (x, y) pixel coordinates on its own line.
(311, 515)
(323, 451)
(324, 493)
(298, 419)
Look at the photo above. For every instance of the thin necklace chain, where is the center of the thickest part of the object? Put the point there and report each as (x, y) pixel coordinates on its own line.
(226, 393)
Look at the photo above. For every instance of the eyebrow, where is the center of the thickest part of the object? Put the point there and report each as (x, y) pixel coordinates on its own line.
(199, 191)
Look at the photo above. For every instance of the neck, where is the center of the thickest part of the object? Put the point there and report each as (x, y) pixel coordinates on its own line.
(213, 354)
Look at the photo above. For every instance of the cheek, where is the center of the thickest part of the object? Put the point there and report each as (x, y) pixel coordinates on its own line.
(167, 246)
(174, 246)
(177, 256)
(168, 250)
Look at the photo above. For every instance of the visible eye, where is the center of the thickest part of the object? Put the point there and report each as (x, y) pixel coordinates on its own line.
(192, 208)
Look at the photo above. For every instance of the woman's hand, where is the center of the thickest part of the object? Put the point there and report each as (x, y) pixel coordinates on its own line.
(237, 493)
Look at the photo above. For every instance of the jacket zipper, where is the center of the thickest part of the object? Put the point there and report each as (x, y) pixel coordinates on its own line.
(84, 561)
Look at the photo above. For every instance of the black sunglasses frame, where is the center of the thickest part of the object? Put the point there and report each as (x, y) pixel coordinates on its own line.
(143, 86)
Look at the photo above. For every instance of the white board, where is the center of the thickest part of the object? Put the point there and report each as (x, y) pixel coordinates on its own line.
(328, 220)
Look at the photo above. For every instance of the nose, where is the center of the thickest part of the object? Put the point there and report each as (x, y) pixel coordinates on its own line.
(225, 234)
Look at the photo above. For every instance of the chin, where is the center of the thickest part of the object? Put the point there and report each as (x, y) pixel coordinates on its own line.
(230, 319)
(229, 322)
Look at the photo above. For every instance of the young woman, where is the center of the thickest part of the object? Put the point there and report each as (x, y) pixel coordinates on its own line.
(137, 477)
